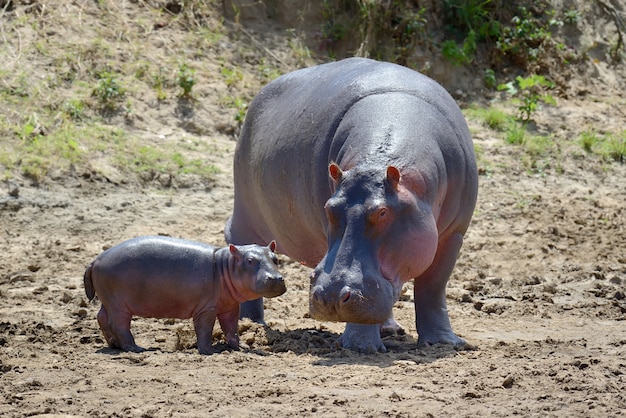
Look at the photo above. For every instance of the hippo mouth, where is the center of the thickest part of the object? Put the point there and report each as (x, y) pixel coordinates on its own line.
(351, 304)
(271, 287)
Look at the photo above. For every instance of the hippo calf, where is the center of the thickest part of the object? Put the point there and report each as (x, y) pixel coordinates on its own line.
(366, 172)
(162, 277)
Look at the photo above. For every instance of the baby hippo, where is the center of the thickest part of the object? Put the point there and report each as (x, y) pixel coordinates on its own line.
(162, 277)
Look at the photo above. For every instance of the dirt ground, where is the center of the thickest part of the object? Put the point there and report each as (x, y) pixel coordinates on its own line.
(538, 291)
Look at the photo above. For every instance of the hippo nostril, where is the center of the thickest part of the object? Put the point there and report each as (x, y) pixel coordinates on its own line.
(272, 278)
(318, 295)
(318, 298)
(344, 294)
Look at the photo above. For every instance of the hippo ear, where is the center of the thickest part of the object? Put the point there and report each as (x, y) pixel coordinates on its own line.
(393, 177)
(335, 172)
(234, 251)
(272, 246)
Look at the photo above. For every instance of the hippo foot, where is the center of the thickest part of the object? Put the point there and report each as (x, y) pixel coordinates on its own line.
(207, 350)
(390, 328)
(427, 340)
(133, 348)
(129, 346)
(363, 338)
(238, 346)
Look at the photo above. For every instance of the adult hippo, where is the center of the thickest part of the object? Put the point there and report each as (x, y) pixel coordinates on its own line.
(366, 171)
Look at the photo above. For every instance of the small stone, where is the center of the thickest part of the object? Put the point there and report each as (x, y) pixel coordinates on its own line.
(508, 382)
(395, 397)
(14, 189)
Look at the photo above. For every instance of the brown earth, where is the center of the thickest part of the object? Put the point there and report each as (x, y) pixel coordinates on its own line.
(539, 289)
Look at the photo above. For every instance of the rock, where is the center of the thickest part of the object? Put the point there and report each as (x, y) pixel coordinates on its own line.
(508, 382)
(14, 189)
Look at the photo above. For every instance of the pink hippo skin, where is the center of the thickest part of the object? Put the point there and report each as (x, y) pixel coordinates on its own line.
(365, 171)
(161, 277)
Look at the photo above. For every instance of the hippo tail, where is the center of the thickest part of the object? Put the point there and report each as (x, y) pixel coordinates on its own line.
(89, 289)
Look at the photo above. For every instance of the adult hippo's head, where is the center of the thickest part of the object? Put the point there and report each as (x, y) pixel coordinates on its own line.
(380, 235)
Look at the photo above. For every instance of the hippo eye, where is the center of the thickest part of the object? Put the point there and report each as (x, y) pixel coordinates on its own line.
(377, 216)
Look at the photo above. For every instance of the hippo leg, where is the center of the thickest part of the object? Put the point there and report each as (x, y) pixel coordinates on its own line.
(431, 313)
(229, 321)
(238, 231)
(364, 338)
(103, 321)
(203, 324)
(390, 328)
(253, 309)
(119, 327)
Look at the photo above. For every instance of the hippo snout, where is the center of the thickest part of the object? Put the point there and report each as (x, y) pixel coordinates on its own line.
(271, 285)
(350, 304)
(346, 295)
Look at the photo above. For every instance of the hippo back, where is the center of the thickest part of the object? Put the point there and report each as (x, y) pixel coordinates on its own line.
(291, 135)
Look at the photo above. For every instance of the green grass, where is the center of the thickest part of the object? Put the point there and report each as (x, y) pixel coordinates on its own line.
(143, 158)
(492, 117)
(608, 146)
(615, 147)
(80, 108)
(35, 155)
(515, 134)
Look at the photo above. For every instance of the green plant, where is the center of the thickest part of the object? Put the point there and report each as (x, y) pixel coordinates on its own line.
(530, 92)
(489, 77)
(610, 146)
(39, 153)
(515, 134)
(538, 145)
(240, 105)
(27, 130)
(459, 55)
(332, 29)
(588, 140)
(616, 147)
(471, 20)
(571, 16)
(108, 90)
(159, 83)
(493, 117)
(267, 73)
(477, 16)
(74, 109)
(300, 51)
(185, 79)
(231, 76)
(523, 39)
